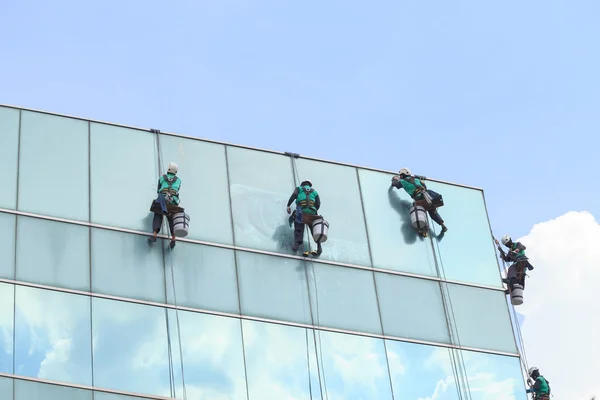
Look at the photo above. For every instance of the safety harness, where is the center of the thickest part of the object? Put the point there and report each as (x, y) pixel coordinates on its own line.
(307, 202)
(169, 192)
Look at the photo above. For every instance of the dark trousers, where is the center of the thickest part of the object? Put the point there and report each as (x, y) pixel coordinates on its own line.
(157, 223)
(435, 215)
(299, 228)
(516, 274)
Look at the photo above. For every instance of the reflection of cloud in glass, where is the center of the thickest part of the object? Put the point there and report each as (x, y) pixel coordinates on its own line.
(52, 336)
(6, 325)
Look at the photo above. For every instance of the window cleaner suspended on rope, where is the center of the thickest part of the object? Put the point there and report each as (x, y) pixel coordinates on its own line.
(424, 200)
(308, 203)
(538, 385)
(167, 204)
(515, 277)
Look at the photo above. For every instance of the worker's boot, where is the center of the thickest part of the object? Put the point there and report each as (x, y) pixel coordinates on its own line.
(296, 246)
(444, 228)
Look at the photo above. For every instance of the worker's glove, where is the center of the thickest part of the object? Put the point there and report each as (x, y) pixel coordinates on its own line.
(289, 210)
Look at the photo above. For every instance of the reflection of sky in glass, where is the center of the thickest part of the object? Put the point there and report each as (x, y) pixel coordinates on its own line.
(131, 353)
(52, 336)
(26, 390)
(6, 324)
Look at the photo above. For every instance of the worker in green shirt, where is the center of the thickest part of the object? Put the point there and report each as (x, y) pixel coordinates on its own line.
(516, 255)
(308, 203)
(540, 387)
(415, 188)
(168, 193)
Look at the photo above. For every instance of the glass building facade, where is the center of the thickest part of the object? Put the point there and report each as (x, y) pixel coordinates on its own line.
(92, 311)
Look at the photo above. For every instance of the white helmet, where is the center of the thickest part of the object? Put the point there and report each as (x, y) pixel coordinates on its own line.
(404, 171)
(532, 370)
(505, 240)
(172, 168)
(307, 181)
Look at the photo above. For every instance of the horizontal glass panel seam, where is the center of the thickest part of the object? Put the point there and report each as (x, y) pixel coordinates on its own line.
(246, 249)
(149, 130)
(248, 317)
(84, 387)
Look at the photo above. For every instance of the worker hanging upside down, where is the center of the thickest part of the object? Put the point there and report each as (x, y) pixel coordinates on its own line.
(308, 203)
(540, 387)
(168, 195)
(516, 255)
(415, 188)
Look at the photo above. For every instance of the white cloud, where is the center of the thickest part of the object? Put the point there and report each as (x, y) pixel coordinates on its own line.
(561, 304)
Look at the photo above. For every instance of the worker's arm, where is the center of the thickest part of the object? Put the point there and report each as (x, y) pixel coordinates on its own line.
(317, 202)
(293, 197)
(536, 387)
(520, 247)
(158, 187)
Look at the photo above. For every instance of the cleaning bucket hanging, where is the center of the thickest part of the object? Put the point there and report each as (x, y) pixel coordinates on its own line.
(320, 229)
(181, 224)
(418, 218)
(516, 295)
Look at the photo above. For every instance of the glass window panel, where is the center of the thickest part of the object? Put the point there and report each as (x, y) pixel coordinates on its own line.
(52, 336)
(53, 253)
(213, 361)
(278, 361)
(6, 388)
(492, 376)
(7, 246)
(273, 287)
(125, 265)
(354, 367)
(341, 206)
(345, 298)
(7, 299)
(204, 277)
(204, 190)
(124, 175)
(421, 372)
(111, 396)
(54, 182)
(130, 347)
(260, 186)
(482, 318)
(467, 250)
(27, 390)
(9, 151)
(412, 308)
(394, 242)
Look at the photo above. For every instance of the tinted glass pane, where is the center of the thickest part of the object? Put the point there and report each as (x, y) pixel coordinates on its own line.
(53, 253)
(260, 185)
(420, 372)
(124, 173)
(52, 338)
(493, 377)
(468, 231)
(9, 135)
(412, 308)
(212, 356)
(130, 347)
(278, 360)
(482, 318)
(273, 287)
(6, 324)
(6, 388)
(112, 396)
(204, 277)
(27, 390)
(345, 298)
(204, 191)
(354, 367)
(394, 242)
(340, 206)
(7, 246)
(54, 182)
(125, 265)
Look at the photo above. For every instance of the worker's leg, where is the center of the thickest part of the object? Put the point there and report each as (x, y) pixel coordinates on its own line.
(173, 238)
(433, 213)
(163, 203)
(298, 235)
(308, 220)
(156, 224)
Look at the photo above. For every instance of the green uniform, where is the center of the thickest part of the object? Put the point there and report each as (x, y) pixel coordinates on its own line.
(412, 187)
(306, 199)
(169, 184)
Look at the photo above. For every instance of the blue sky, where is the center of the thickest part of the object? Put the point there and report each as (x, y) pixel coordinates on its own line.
(501, 95)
